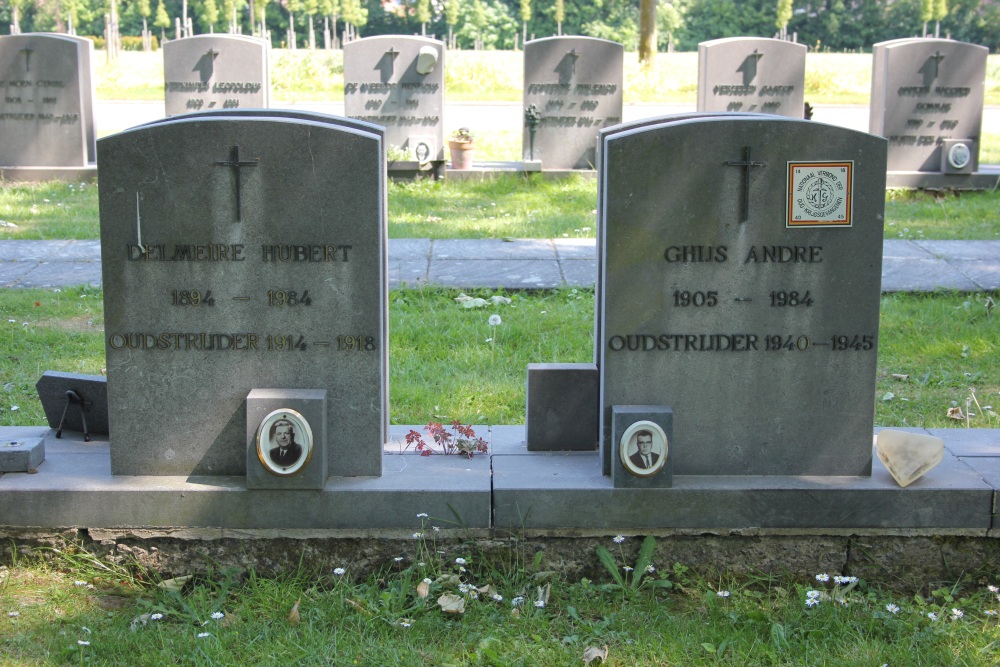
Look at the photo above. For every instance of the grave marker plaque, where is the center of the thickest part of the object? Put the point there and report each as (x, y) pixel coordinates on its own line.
(242, 251)
(751, 74)
(208, 72)
(739, 269)
(574, 85)
(398, 82)
(925, 93)
(46, 106)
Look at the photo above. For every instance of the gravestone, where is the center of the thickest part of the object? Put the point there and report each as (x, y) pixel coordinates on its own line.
(398, 82)
(47, 105)
(574, 87)
(927, 100)
(739, 267)
(213, 290)
(216, 72)
(752, 74)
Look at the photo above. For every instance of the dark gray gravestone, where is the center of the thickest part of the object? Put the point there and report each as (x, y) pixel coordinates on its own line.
(214, 289)
(398, 82)
(46, 107)
(926, 92)
(741, 289)
(575, 84)
(216, 72)
(752, 74)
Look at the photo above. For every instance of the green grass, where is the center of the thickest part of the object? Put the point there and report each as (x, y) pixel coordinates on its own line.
(443, 367)
(70, 608)
(497, 76)
(505, 206)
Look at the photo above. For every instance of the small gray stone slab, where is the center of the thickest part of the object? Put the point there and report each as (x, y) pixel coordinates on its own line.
(989, 470)
(307, 405)
(909, 275)
(969, 442)
(576, 249)
(524, 274)
(623, 419)
(216, 72)
(576, 85)
(904, 249)
(21, 454)
(201, 204)
(925, 91)
(46, 111)
(410, 249)
(383, 85)
(562, 402)
(694, 296)
(407, 273)
(567, 490)
(92, 389)
(752, 75)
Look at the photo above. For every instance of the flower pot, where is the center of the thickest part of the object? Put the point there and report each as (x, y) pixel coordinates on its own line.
(461, 154)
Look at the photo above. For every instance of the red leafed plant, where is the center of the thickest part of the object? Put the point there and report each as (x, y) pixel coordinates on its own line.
(462, 442)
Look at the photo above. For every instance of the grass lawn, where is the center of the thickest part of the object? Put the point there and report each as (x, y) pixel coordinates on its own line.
(502, 207)
(63, 607)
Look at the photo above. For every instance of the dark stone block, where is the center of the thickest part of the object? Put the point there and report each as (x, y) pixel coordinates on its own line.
(92, 389)
(562, 407)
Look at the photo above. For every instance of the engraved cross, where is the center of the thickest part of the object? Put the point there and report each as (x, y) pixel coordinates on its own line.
(747, 163)
(235, 161)
(27, 51)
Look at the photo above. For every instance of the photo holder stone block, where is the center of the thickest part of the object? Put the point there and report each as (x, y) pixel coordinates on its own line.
(21, 454)
(286, 439)
(74, 402)
(632, 426)
(562, 408)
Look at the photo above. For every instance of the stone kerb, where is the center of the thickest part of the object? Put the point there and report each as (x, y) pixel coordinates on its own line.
(752, 74)
(216, 72)
(575, 84)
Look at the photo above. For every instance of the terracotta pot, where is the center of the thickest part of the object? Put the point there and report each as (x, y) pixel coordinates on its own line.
(461, 154)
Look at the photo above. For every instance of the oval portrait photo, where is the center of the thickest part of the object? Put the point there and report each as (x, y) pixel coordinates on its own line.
(284, 442)
(643, 449)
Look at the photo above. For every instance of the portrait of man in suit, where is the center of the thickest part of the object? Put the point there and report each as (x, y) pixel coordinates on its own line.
(645, 458)
(286, 451)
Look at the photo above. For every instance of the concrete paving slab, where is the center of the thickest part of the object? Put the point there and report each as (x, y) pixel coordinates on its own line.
(11, 273)
(913, 275)
(576, 249)
(903, 249)
(59, 274)
(409, 249)
(493, 249)
(76, 250)
(579, 272)
(962, 250)
(985, 274)
(28, 251)
(409, 272)
(547, 491)
(523, 274)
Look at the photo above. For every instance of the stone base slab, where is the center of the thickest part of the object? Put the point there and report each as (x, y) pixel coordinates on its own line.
(511, 491)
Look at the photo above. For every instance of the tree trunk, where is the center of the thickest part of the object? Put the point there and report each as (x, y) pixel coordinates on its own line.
(647, 31)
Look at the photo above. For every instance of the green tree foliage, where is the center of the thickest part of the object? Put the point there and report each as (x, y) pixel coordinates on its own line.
(209, 15)
(560, 15)
(669, 20)
(784, 15)
(162, 19)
